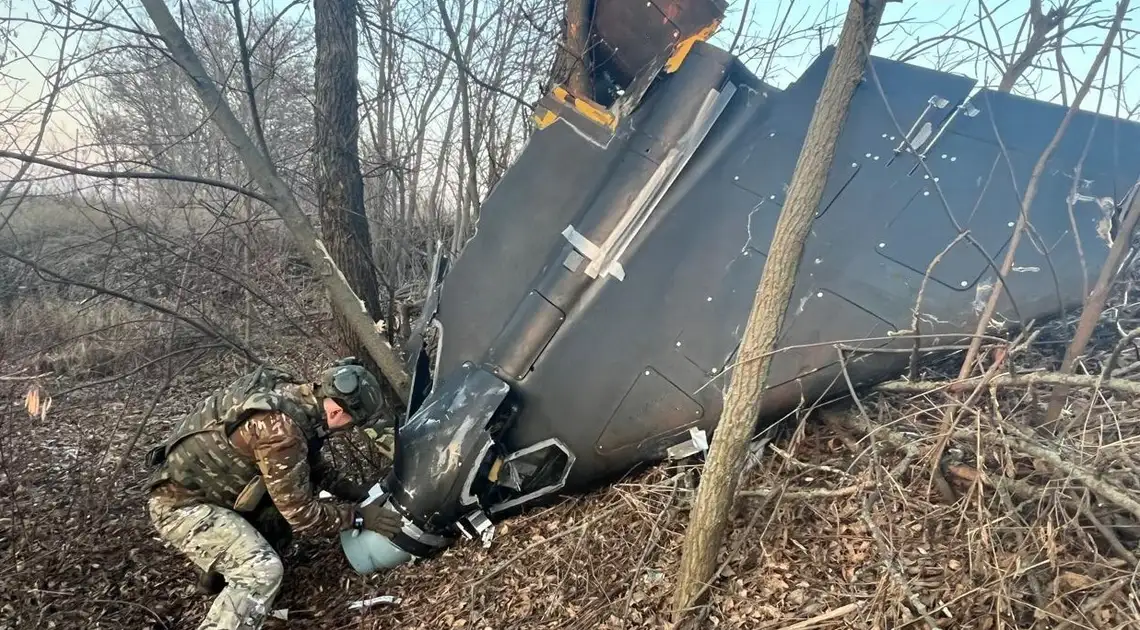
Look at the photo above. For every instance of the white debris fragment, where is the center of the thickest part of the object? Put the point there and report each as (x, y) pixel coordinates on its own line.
(697, 443)
(368, 603)
(280, 613)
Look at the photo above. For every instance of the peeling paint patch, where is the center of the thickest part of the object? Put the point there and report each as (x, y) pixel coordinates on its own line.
(1104, 230)
(803, 303)
(931, 319)
(982, 294)
(997, 323)
(1106, 204)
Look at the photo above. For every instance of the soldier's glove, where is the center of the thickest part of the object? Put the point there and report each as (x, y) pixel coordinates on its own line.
(382, 520)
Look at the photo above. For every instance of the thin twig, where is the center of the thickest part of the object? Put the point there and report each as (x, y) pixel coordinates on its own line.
(914, 323)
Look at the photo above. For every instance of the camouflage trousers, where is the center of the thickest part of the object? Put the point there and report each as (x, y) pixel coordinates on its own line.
(215, 538)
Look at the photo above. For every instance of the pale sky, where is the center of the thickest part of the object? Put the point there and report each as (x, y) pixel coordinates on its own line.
(23, 80)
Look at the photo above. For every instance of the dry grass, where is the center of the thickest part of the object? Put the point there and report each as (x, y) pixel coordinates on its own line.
(64, 337)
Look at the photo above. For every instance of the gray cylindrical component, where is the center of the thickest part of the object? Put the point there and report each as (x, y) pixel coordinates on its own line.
(368, 551)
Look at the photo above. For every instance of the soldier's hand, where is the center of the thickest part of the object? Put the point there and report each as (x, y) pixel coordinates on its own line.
(382, 520)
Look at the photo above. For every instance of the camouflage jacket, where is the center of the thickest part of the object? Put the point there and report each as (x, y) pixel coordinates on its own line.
(262, 435)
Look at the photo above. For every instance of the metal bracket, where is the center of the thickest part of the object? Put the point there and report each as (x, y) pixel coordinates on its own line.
(916, 140)
(965, 107)
(477, 524)
(554, 487)
(697, 443)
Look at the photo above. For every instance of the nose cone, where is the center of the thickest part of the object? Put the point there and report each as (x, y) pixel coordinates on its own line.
(369, 552)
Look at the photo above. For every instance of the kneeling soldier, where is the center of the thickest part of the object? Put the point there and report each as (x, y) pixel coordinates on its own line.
(246, 464)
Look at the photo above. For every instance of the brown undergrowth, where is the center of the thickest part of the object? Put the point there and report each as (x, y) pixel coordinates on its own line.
(837, 523)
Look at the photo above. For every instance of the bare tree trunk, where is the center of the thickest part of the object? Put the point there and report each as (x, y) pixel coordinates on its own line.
(708, 521)
(281, 198)
(571, 61)
(340, 187)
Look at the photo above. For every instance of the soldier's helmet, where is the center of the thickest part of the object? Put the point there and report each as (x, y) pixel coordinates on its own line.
(355, 389)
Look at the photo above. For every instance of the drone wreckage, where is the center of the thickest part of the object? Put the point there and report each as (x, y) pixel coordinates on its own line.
(588, 326)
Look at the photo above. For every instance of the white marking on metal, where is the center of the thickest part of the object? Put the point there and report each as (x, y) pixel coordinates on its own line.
(803, 302)
(748, 226)
(1025, 269)
(650, 195)
(587, 137)
(882, 245)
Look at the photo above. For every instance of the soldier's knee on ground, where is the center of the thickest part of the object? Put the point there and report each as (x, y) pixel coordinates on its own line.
(262, 573)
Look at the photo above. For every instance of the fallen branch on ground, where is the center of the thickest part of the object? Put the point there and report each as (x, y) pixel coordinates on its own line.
(1005, 380)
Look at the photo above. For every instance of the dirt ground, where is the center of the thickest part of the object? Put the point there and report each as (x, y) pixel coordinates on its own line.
(833, 527)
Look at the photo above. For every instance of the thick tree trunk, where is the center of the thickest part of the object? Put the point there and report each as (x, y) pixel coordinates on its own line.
(572, 61)
(340, 187)
(707, 523)
(281, 199)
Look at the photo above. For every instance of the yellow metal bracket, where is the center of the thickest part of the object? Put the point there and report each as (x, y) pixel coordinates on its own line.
(683, 48)
(560, 99)
(591, 119)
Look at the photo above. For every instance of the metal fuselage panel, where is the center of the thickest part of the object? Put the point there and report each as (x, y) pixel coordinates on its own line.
(620, 364)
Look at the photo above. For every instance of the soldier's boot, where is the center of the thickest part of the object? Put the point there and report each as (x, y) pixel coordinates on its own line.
(220, 540)
(210, 582)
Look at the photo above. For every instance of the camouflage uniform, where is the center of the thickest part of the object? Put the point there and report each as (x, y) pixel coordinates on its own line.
(248, 453)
